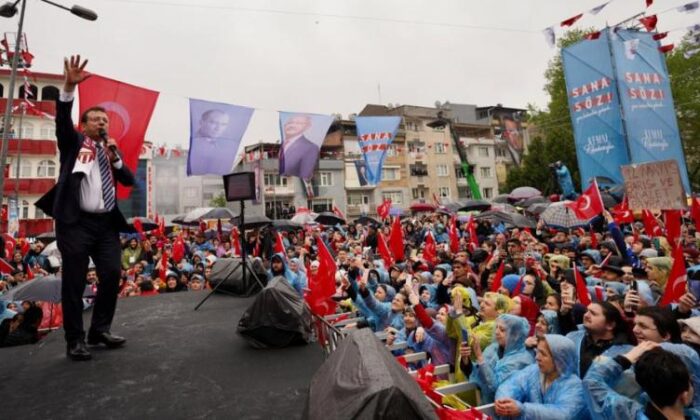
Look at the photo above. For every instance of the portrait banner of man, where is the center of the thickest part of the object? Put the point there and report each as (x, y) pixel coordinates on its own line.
(216, 130)
(302, 137)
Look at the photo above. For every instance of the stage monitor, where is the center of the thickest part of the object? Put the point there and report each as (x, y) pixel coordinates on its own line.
(239, 186)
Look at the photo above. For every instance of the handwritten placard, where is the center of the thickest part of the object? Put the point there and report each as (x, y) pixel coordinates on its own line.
(654, 186)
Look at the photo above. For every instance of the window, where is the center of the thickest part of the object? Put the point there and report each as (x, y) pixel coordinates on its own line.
(418, 193)
(390, 174)
(418, 170)
(439, 148)
(441, 170)
(191, 192)
(322, 205)
(500, 152)
(444, 192)
(27, 130)
(25, 209)
(47, 131)
(358, 199)
(488, 193)
(25, 169)
(207, 196)
(275, 180)
(38, 213)
(46, 169)
(483, 151)
(325, 179)
(396, 197)
(391, 151)
(485, 172)
(49, 93)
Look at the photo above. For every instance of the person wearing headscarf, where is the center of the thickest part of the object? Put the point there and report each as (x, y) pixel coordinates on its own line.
(431, 336)
(525, 307)
(548, 390)
(296, 267)
(505, 356)
(690, 332)
(278, 267)
(658, 270)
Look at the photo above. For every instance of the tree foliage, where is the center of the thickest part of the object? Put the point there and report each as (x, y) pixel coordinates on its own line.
(218, 201)
(553, 134)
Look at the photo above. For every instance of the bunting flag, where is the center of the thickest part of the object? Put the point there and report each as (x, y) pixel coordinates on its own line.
(383, 209)
(454, 235)
(322, 285)
(430, 249)
(649, 3)
(666, 48)
(396, 242)
(597, 9)
(302, 136)
(581, 289)
(375, 135)
(129, 109)
(649, 22)
(651, 226)
(497, 280)
(550, 37)
(622, 213)
(672, 221)
(660, 36)
(589, 204)
(236, 241)
(383, 251)
(689, 7)
(593, 36)
(676, 283)
(695, 212)
(570, 21)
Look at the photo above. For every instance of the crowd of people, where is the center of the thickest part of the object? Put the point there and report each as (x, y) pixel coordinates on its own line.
(503, 307)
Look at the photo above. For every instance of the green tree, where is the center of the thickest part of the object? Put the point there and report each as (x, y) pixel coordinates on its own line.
(218, 201)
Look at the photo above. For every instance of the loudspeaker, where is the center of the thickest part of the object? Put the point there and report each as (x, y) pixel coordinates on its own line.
(362, 380)
(239, 186)
(235, 283)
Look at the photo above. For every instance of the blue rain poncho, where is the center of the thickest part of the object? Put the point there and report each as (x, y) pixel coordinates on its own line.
(563, 399)
(291, 277)
(578, 336)
(494, 370)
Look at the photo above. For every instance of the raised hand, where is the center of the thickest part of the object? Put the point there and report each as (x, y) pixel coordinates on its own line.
(74, 72)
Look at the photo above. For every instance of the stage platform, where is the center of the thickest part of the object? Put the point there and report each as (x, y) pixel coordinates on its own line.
(176, 364)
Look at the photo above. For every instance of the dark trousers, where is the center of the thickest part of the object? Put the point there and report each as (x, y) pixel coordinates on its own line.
(93, 236)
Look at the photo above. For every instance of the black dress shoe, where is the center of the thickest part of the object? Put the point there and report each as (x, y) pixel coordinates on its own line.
(78, 351)
(109, 340)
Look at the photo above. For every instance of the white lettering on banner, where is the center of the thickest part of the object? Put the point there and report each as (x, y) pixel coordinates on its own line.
(654, 139)
(598, 112)
(598, 143)
(646, 78)
(590, 87)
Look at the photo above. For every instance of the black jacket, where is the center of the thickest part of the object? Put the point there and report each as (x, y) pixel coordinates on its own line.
(62, 202)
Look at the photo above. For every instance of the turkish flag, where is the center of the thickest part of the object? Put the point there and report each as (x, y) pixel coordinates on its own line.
(498, 278)
(695, 212)
(178, 249)
(430, 249)
(622, 213)
(235, 238)
(383, 209)
(5, 267)
(659, 36)
(672, 221)
(581, 290)
(454, 236)
(589, 204)
(129, 109)
(570, 21)
(651, 226)
(473, 238)
(594, 238)
(675, 285)
(383, 251)
(164, 265)
(279, 246)
(396, 242)
(322, 285)
(10, 245)
(649, 22)
(666, 48)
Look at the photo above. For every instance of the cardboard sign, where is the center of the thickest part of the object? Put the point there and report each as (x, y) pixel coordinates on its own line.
(654, 186)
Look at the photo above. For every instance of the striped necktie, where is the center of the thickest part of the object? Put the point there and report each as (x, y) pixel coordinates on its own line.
(106, 175)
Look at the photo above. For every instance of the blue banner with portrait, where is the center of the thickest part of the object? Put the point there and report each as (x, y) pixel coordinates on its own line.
(216, 130)
(302, 137)
(375, 135)
(647, 103)
(594, 107)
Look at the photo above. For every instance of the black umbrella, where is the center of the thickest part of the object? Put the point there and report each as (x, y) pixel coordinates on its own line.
(285, 225)
(148, 224)
(180, 220)
(44, 288)
(495, 217)
(252, 221)
(532, 200)
(450, 208)
(329, 219)
(537, 208)
(475, 205)
(46, 237)
(208, 213)
(503, 198)
(520, 221)
(366, 220)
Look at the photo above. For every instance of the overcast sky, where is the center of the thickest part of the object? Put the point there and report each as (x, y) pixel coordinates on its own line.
(320, 56)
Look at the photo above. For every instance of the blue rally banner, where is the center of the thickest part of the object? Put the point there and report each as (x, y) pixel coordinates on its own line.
(647, 103)
(595, 110)
(216, 130)
(375, 135)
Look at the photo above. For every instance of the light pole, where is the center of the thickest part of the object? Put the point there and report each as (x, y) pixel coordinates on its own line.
(9, 10)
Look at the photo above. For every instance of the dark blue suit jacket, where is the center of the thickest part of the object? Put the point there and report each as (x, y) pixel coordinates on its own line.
(300, 159)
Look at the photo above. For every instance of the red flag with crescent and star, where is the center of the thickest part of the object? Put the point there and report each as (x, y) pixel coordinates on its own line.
(589, 204)
(129, 109)
(675, 285)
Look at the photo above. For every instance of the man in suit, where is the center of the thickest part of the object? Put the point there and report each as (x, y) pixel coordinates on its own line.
(88, 221)
(299, 155)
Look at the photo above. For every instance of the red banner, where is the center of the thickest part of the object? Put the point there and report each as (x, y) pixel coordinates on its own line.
(129, 109)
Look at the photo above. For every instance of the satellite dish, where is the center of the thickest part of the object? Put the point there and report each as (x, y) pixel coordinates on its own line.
(438, 104)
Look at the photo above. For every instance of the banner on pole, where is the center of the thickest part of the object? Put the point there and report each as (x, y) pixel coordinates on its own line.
(375, 135)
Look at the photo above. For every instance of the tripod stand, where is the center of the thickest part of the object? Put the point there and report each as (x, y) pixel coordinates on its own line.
(243, 264)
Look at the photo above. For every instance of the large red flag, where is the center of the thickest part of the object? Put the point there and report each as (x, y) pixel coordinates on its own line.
(396, 243)
(235, 238)
(383, 251)
(129, 109)
(279, 246)
(594, 238)
(695, 212)
(322, 285)
(672, 220)
(178, 248)
(473, 238)
(163, 266)
(651, 226)
(10, 245)
(589, 204)
(581, 290)
(622, 213)
(498, 278)
(383, 209)
(430, 249)
(675, 285)
(454, 236)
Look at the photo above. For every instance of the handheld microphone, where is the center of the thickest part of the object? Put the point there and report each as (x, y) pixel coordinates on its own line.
(103, 135)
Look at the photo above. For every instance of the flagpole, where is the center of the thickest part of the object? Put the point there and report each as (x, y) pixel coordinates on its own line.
(19, 150)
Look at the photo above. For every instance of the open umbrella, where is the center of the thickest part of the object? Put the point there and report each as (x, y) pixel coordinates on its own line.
(206, 213)
(478, 205)
(148, 224)
(366, 220)
(449, 208)
(558, 215)
(46, 237)
(502, 198)
(532, 200)
(520, 221)
(305, 218)
(44, 288)
(495, 217)
(523, 193)
(180, 220)
(504, 207)
(286, 225)
(252, 221)
(422, 207)
(328, 218)
(537, 208)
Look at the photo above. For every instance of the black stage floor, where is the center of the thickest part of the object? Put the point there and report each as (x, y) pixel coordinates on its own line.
(177, 364)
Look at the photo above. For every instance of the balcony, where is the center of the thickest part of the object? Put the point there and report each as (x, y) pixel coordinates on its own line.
(31, 227)
(44, 106)
(32, 147)
(356, 210)
(279, 191)
(29, 186)
(462, 182)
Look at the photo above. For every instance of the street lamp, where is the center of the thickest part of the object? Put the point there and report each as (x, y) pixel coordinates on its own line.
(9, 10)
